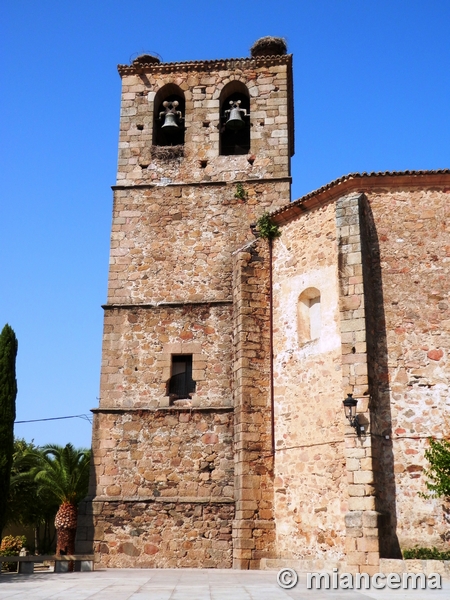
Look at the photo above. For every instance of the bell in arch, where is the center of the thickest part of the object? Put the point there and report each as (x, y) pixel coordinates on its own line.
(171, 117)
(234, 116)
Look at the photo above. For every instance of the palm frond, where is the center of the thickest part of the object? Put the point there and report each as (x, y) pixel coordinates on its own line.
(61, 472)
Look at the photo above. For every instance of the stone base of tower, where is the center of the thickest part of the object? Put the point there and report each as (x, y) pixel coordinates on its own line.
(167, 534)
(161, 489)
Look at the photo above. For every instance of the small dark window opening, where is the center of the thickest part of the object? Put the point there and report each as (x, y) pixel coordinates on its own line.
(235, 141)
(181, 384)
(170, 136)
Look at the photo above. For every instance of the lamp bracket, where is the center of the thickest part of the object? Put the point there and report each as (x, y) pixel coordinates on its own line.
(359, 427)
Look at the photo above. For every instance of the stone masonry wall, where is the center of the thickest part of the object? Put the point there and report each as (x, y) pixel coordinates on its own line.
(362, 520)
(164, 494)
(393, 272)
(138, 343)
(413, 229)
(254, 527)
(174, 243)
(378, 385)
(310, 479)
(164, 453)
(163, 480)
(163, 535)
(268, 84)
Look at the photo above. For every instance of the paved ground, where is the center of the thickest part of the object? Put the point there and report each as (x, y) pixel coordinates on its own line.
(183, 584)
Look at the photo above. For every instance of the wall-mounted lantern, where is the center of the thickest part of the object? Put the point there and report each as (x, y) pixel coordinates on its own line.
(350, 412)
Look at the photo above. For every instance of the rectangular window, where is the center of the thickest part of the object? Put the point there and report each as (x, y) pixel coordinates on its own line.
(181, 383)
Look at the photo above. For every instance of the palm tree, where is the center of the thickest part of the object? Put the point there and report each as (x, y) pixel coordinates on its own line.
(26, 507)
(62, 474)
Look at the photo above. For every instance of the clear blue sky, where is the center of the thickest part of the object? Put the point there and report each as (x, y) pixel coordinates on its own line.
(372, 86)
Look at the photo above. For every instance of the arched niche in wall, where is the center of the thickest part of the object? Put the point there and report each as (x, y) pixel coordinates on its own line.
(234, 119)
(169, 112)
(308, 315)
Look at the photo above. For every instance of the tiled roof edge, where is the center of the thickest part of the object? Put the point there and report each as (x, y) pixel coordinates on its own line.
(351, 176)
(203, 64)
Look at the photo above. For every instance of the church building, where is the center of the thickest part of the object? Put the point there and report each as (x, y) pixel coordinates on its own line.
(271, 369)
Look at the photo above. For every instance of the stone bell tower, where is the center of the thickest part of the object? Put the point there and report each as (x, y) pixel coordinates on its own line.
(204, 150)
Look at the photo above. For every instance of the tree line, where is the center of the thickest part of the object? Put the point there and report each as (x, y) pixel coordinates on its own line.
(37, 484)
(47, 483)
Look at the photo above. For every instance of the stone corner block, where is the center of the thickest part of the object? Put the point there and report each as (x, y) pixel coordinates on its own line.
(371, 519)
(353, 519)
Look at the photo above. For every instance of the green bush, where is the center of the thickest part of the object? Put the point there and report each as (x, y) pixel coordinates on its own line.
(438, 473)
(426, 554)
(11, 546)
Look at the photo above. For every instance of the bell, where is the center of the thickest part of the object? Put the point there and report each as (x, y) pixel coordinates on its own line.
(170, 123)
(235, 120)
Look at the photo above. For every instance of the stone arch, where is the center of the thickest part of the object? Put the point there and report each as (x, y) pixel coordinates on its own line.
(170, 93)
(234, 141)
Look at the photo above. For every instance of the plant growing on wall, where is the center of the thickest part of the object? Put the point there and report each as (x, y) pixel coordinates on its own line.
(8, 393)
(240, 193)
(266, 228)
(438, 473)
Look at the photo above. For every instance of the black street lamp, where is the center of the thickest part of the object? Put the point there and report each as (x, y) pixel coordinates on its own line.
(350, 412)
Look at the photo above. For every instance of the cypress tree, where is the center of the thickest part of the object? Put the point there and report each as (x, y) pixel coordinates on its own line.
(8, 392)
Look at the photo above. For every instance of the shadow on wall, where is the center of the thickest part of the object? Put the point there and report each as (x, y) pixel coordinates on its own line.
(84, 541)
(380, 408)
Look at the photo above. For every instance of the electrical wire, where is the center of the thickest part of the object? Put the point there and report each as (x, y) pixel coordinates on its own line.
(84, 417)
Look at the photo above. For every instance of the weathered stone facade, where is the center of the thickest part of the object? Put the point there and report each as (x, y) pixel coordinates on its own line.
(164, 486)
(178, 219)
(254, 527)
(255, 461)
(205, 85)
(412, 353)
(390, 269)
(310, 483)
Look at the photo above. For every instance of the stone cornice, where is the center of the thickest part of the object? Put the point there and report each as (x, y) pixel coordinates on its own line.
(164, 304)
(168, 499)
(121, 410)
(228, 64)
(249, 180)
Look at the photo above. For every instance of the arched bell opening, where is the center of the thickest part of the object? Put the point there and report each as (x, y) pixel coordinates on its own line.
(169, 113)
(234, 119)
